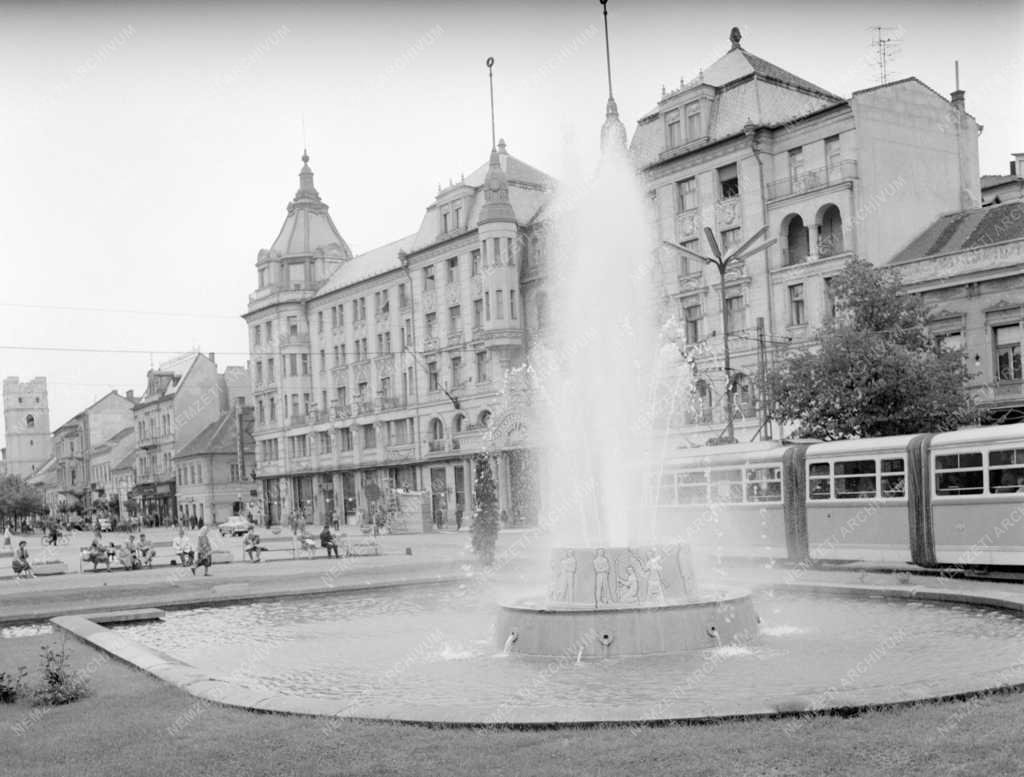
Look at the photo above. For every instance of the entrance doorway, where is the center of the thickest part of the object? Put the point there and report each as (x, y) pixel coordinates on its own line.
(438, 495)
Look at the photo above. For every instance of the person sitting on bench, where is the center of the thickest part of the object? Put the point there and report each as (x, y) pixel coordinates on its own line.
(251, 545)
(145, 551)
(97, 552)
(304, 542)
(20, 563)
(183, 548)
(327, 541)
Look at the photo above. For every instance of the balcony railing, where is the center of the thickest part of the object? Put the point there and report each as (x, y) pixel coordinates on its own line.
(362, 407)
(294, 339)
(812, 180)
(437, 446)
(454, 336)
(340, 411)
(390, 403)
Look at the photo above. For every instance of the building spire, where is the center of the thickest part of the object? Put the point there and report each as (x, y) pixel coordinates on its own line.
(307, 191)
(613, 132)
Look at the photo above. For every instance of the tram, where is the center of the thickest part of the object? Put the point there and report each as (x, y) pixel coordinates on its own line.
(954, 498)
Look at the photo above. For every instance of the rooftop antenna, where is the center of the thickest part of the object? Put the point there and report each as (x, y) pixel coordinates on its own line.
(304, 144)
(885, 49)
(490, 77)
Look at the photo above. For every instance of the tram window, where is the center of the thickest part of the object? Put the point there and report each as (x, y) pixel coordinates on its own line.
(959, 474)
(727, 485)
(894, 482)
(856, 479)
(819, 483)
(764, 484)
(692, 487)
(1006, 471)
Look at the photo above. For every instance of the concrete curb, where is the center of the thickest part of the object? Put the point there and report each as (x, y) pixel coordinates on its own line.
(225, 692)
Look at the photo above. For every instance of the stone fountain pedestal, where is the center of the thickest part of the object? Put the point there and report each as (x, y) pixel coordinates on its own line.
(606, 602)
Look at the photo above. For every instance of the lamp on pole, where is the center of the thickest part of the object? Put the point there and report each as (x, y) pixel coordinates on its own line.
(722, 264)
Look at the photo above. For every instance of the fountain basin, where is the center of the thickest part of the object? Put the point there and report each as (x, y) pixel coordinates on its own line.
(716, 618)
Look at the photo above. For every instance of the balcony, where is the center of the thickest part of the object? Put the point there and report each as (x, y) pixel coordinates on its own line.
(341, 411)
(431, 343)
(437, 446)
(478, 332)
(390, 403)
(454, 336)
(362, 407)
(812, 180)
(296, 339)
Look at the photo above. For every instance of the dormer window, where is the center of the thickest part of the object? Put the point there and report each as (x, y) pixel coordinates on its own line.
(728, 181)
(444, 221)
(673, 129)
(457, 217)
(694, 129)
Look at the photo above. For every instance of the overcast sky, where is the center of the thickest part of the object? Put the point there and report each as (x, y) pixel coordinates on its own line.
(148, 151)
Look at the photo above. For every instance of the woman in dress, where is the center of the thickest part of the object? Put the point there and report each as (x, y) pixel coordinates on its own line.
(204, 552)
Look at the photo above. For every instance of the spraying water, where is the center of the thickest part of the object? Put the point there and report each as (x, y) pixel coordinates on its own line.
(599, 370)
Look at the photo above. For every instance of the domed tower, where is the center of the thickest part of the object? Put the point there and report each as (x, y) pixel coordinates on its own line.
(307, 251)
(499, 252)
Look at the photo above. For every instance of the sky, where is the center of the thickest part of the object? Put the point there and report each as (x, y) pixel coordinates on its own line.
(148, 151)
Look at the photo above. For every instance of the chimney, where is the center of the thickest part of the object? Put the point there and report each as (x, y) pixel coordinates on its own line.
(212, 357)
(956, 98)
(130, 395)
(1017, 167)
(1013, 168)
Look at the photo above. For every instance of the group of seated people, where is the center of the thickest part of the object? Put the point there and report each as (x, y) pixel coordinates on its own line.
(253, 548)
(134, 554)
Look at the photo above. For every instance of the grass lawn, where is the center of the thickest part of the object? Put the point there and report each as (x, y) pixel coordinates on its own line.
(132, 724)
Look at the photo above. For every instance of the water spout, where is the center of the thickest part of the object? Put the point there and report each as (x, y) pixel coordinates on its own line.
(512, 637)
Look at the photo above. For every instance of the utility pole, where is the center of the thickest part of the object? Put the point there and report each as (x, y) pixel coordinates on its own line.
(722, 264)
(762, 370)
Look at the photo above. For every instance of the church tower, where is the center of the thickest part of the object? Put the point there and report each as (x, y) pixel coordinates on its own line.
(26, 425)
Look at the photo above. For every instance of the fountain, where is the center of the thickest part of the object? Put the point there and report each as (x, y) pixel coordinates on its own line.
(614, 589)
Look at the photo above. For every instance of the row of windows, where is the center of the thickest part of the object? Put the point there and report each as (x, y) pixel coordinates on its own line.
(396, 432)
(858, 479)
(753, 484)
(963, 474)
(500, 249)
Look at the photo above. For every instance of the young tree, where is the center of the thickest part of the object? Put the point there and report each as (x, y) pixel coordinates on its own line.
(484, 530)
(18, 499)
(877, 369)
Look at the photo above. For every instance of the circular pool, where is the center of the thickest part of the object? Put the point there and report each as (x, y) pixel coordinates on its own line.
(428, 654)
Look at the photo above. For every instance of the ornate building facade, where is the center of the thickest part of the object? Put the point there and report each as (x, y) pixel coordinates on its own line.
(388, 370)
(747, 145)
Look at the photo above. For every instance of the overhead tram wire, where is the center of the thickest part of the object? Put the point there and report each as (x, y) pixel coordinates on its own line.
(80, 309)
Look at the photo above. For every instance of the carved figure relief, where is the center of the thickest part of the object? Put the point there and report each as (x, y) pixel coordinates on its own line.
(602, 585)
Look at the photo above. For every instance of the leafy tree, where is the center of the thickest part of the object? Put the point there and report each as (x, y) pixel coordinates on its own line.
(877, 369)
(18, 498)
(484, 530)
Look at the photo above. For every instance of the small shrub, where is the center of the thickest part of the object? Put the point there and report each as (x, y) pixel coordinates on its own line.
(61, 684)
(12, 685)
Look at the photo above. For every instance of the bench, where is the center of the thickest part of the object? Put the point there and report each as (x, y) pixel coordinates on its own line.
(346, 548)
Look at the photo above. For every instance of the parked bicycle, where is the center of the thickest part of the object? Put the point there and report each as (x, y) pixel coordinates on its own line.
(62, 538)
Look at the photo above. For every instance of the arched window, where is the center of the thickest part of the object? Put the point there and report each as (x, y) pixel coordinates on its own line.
(485, 419)
(436, 429)
(797, 242)
(458, 422)
(830, 231)
(30, 421)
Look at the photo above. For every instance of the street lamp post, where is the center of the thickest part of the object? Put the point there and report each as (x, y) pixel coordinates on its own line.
(722, 264)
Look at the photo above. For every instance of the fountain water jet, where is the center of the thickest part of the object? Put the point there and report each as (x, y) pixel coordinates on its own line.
(610, 576)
